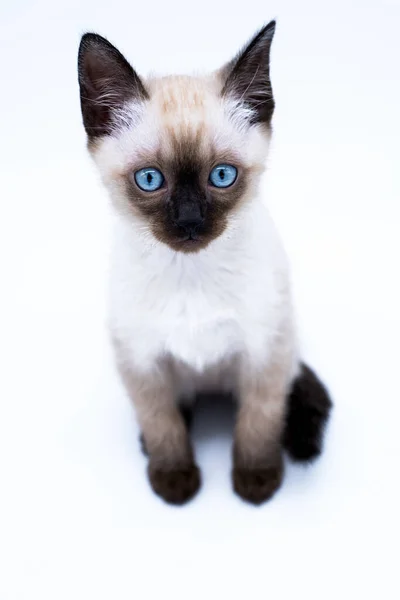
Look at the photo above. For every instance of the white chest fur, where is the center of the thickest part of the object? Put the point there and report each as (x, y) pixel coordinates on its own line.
(204, 307)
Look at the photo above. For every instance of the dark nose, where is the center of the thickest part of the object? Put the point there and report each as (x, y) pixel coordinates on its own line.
(189, 218)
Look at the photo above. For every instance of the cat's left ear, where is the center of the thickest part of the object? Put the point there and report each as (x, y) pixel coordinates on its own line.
(246, 78)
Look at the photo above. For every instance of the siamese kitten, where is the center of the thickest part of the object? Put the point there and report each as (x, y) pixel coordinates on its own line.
(200, 291)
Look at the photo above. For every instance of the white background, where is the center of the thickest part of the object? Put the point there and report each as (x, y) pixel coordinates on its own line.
(77, 518)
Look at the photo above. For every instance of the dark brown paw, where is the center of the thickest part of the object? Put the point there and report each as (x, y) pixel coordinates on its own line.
(256, 485)
(175, 486)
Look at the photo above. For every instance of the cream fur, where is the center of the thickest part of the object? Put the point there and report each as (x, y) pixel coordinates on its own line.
(223, 316)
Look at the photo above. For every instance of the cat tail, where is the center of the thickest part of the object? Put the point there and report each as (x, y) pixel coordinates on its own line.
(309, 407)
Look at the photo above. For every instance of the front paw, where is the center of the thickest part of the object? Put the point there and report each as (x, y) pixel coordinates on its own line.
(257, 485)
(175, 485)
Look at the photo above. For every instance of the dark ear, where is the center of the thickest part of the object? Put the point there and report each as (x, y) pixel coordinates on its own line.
(106, 82)
(246, 77)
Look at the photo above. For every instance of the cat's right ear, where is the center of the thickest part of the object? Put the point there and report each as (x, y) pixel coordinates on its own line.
(106, 81)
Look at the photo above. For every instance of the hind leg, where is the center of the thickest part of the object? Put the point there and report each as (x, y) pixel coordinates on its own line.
(309, 406)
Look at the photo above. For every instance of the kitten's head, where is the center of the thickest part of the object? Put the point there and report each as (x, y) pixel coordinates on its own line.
(179, 154)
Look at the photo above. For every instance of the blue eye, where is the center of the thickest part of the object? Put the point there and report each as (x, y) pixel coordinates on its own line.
(223, 176)
(149, 179)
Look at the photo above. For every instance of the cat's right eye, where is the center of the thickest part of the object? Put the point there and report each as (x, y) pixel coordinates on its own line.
(149, 179)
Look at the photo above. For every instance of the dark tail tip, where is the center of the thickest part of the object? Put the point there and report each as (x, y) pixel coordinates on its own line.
(308, 412)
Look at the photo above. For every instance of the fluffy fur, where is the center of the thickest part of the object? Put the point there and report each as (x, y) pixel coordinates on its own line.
(213, 313)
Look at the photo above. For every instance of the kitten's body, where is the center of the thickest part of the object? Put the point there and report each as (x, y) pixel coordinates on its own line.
(231, 299)
(200, 291)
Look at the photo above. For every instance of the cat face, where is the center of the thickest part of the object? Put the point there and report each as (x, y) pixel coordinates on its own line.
(179, 154)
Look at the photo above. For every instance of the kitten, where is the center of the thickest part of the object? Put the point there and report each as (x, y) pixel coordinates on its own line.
(200, 293)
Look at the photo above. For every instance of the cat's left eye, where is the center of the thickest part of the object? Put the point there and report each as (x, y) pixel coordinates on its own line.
(149, 180)
(223, 176)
